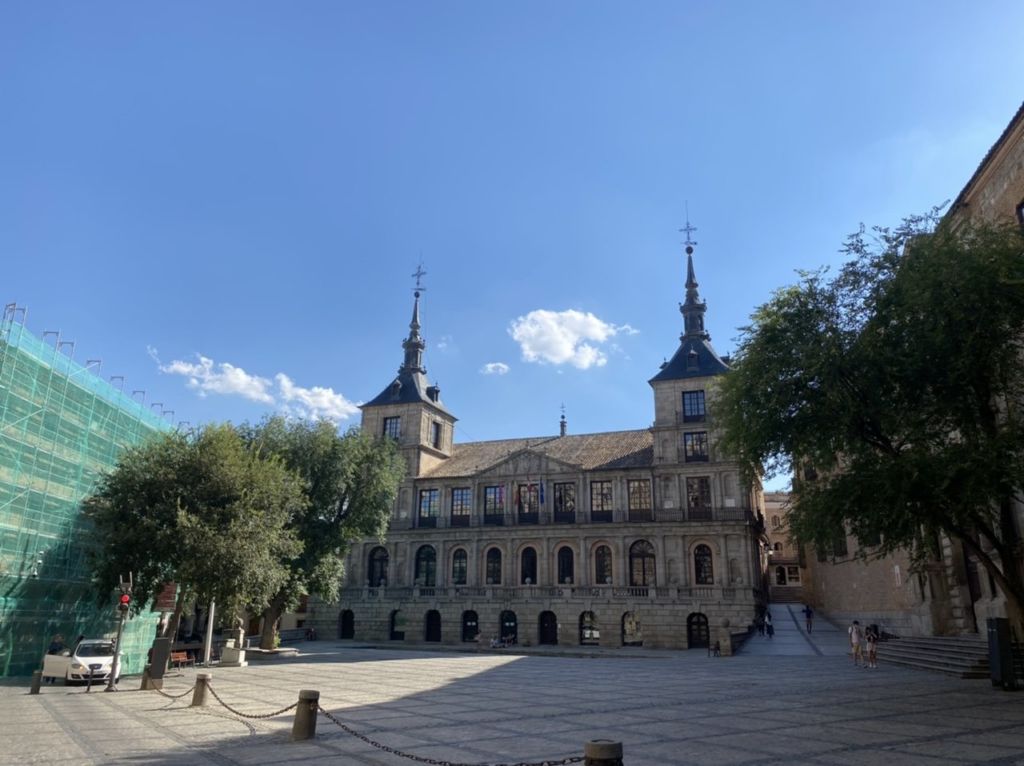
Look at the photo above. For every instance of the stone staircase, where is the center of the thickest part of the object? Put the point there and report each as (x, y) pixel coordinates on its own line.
(960, 656)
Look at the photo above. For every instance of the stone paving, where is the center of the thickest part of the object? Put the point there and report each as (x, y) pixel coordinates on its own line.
(792, 699)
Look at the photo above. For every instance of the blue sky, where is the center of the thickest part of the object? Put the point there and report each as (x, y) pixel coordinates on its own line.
(224, 201)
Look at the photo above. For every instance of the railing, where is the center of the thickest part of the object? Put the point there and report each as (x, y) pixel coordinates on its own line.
(460, 520)
(525, 517)
(426, 522)
(565, 517)
(565, 591)
(494, 519)
(601, 517)
(641, 515)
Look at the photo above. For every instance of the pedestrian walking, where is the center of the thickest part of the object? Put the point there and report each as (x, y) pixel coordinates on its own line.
(769, 628)
(760, 625)
(871, 638)
(856, 637)
(808, 618)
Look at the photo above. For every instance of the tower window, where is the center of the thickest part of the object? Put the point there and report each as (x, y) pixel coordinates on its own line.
(393, 427)
(695, 447)
(435, 434)
(693, 406)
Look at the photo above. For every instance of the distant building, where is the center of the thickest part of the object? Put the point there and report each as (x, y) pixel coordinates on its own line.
(785, 562)
(61, 426)
(628, 538)
(950, 594)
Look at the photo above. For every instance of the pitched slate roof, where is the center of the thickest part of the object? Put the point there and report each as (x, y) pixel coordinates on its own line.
(707, 361)
(615, 449)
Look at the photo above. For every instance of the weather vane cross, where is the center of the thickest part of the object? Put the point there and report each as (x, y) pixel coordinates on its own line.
(690, 242)
(419, 274)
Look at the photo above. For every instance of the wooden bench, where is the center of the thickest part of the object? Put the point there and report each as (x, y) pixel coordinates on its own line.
(179, 659)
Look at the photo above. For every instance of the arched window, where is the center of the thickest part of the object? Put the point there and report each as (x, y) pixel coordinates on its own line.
(780, 575)
(603, 565)
(565, 565)
(377, 571)
(493, 568)
(704, 573)
(641, 563)
(459, 560)
(426, 567)
(778, 547)
(776, 522)
(528, 567)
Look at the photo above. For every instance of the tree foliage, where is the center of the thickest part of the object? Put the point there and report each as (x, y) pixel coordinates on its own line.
(349, 481)
(206, 511)
(899, 382)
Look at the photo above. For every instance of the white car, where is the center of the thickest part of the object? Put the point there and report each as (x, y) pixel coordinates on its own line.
(91, 658)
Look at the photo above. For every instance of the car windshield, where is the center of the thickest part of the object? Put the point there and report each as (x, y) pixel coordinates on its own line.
(95, 650)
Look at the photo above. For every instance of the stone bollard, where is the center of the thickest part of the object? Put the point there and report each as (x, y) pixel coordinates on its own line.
(602, 752)
(304, 726)
(199, 695)
(148, 682)
(37, 681)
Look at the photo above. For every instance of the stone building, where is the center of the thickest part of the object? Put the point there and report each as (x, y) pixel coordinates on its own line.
(626, 538)
(784, 560)
(951, 594)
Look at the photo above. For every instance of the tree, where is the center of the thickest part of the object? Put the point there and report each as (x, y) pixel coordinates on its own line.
(206, 511)
(350, 483)
(899, 381)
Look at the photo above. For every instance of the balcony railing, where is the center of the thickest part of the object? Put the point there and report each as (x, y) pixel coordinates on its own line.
(494, 519)
(460, 519)
(645, 514)
(568, 591)
(565, 517)
(601, 517)
(525, 517)
(427, 522)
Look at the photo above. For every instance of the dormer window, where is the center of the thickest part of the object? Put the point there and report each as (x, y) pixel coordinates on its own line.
(396, 390)
(692, 359)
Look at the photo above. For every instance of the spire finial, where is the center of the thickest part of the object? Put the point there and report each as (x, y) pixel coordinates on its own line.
(419, 274)
(690, 242)
(563, 425)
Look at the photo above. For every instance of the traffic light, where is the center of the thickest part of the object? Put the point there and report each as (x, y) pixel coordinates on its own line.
(125, 599)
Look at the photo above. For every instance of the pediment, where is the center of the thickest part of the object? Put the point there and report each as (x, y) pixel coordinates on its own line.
(527, 463)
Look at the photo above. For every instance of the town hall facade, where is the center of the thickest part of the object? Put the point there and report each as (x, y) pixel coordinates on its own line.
(628, 538)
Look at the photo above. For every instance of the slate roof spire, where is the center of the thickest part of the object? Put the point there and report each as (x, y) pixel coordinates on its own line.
(694, 308)
(414, 344)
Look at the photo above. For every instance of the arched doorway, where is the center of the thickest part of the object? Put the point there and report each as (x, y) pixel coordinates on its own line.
(697, 635)
(377, 570)
(589, 634)
(528, 567)
(396, 626)
(346, 624)
(641, 563)
(432, 626)
(509, 627)
(548, 629)
(470, 626)
(780, 575)
(632, 633)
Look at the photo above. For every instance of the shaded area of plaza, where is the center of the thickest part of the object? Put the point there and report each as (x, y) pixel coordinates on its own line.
(668, 707)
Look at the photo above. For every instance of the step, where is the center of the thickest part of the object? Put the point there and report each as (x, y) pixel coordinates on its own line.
(939, 651)
(935, 668)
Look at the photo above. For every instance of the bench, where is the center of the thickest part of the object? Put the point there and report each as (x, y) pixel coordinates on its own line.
(292, 634)
(179, 659)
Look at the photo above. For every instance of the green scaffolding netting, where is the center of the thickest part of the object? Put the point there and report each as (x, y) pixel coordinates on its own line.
(61, 427)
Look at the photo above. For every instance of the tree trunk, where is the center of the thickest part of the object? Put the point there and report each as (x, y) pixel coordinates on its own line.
(270, 617)
(175, 621)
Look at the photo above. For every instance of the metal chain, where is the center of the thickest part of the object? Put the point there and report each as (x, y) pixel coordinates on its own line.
(174, 696)
(240, 714)
(437, 761)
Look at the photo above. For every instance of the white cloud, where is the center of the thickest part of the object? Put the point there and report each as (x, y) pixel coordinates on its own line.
(494, 368)
(445, 343)
(206, 378)
(560, 337)
(315, 402)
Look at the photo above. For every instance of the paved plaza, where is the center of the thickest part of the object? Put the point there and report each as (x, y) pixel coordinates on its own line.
(791, 699)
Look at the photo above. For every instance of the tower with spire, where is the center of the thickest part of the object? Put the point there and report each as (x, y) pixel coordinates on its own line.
(409, 409)
(682, 385)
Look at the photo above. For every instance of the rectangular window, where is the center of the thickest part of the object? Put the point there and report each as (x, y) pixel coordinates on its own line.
(639, 493)
(793, 574)
(494, 500)
(435, 434)
(461, 506)
(565, 502)
(693, 406)
(698, 498)
(528, 502)
(695, 447)
(392, 427)
(429, 507)
(601, 501)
